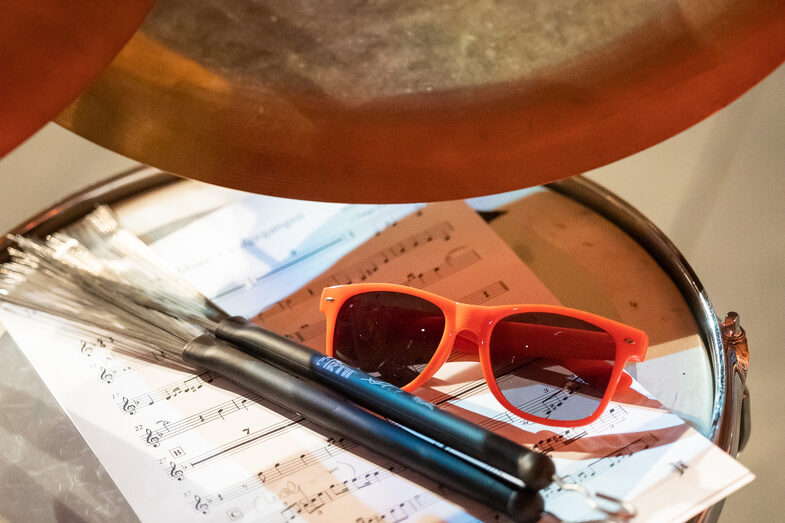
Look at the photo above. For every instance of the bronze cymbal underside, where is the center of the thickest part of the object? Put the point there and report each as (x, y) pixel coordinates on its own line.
(413, 100)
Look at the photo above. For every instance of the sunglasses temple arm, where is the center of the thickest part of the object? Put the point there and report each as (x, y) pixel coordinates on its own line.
(533, 468)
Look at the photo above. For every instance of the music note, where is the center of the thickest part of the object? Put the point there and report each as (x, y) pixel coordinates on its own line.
(491, 291)
(339, 488)
(316, 503)
(192, 384)
(289, 513)
(307, 332)
(397, 514)
(455, 261)
(327, 448)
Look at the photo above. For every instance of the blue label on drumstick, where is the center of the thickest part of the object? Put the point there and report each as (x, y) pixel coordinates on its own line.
(335, 366)
(344, 371)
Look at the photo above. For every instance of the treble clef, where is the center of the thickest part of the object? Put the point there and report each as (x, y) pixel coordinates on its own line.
(201, 506)
(152, 439)
(129, 406)
(106, 375)
(175, 472)
(86, 349)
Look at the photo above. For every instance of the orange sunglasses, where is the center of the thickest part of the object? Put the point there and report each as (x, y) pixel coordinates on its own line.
(550, 365)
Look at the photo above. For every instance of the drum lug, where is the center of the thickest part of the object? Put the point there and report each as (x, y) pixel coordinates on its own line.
(735, 340)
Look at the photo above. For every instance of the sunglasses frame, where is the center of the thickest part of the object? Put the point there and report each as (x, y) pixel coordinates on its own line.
(479, 320)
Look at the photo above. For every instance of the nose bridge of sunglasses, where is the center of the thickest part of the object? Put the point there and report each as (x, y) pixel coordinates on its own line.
(469, 329)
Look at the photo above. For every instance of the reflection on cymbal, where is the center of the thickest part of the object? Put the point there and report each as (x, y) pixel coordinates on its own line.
(418, 100)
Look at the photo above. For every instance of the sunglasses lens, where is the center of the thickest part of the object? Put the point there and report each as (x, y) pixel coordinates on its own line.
(550, 365)
(388, 334)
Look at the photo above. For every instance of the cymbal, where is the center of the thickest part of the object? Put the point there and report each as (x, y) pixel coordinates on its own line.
(49, 52)
(415, 100)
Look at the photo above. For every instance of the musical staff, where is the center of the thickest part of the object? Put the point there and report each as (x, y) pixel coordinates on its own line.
(307, 332)
(280, 268)
(221, 411)
(401, 511)
(596, 467)
(281, 470)
(611, 417)
(165, 393)
(239, 444)
(101, 355)
(488, 292)
(317, 501)
(349, 226)
(125, 365)
(543, 404)
(360, 271)
(456, 260)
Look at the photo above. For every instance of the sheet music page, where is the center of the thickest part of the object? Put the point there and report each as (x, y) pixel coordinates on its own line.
(248, 252)
(185, 445)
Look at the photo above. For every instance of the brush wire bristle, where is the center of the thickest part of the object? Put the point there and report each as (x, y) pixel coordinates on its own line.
(103, 277)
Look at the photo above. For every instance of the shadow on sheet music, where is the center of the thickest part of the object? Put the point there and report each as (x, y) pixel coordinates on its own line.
(632, 421)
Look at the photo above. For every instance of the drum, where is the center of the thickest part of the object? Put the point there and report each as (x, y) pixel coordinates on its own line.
(592, 250)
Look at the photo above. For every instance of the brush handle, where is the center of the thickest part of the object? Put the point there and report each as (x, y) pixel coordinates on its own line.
(343, 417)
(533, 468)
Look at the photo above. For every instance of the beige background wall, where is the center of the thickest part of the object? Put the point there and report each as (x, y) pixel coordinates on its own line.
(717, 190)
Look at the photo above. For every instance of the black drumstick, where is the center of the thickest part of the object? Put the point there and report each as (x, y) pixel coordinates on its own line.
(533, 468)
(343, 417)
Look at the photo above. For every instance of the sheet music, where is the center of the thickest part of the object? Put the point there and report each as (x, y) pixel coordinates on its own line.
(267, 245)
(189, 446)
